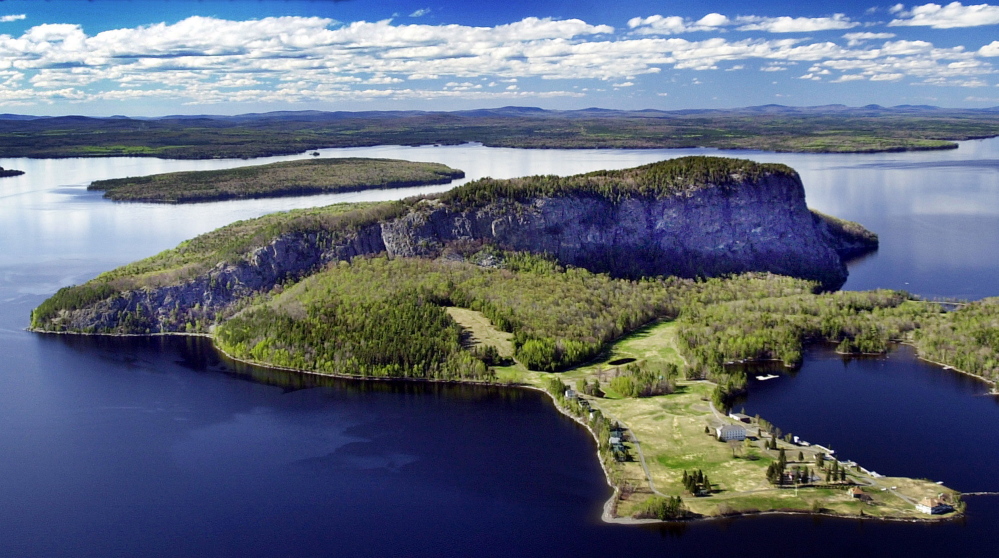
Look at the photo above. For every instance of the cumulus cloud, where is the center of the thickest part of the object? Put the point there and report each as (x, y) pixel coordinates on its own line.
(10, 18)
(991, 49)
(672, 25)
(795, 24)
(299, 59)
(950, 16)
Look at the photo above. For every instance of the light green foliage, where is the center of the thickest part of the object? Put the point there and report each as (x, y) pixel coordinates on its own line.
(589, 309)
(645, 381)
(776, 327)
(967, 338)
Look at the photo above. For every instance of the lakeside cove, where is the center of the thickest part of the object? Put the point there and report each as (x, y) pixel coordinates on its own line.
(665, 436)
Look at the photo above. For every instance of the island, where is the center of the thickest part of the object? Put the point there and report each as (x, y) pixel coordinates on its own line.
(631, 297)
(821, 129)
(288, 178)
(10, 172)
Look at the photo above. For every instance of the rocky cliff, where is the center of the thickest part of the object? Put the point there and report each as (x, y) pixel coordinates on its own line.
(690, 217)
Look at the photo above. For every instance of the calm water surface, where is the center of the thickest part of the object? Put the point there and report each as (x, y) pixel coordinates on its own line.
(156, 447)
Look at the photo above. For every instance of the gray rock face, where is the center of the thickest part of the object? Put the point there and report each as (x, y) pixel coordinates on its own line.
(755, 226)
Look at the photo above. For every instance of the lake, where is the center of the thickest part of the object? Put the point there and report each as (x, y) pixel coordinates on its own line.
(157, 447)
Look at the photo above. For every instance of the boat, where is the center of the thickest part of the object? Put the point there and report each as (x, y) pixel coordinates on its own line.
(767, 377)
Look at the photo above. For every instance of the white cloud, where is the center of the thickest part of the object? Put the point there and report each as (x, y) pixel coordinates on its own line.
(296, 59)
(950, 16)
(787, 24)
(420, 13)
(991, 49)
(10, 18)
(854, 39)
(671, 25)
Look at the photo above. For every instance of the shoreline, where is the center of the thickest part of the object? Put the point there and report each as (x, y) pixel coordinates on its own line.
(606, 514)
(951, 368)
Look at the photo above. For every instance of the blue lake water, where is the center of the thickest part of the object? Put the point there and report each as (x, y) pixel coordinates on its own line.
(157, 447)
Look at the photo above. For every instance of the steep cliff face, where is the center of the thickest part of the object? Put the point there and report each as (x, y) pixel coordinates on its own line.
(708, 218)
(761, 225)
(195, 304)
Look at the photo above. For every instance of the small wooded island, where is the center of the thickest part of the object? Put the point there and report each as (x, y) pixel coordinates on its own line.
(4, 173)
(288, 178)
(626, 295)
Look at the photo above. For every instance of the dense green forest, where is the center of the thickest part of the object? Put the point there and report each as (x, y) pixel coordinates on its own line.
(559, 317)
(816, 129)
(288, 178)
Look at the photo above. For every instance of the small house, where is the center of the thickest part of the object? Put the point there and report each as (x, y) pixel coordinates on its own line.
(731, 432)
(933, 506)
(570, 394)
(856, 492)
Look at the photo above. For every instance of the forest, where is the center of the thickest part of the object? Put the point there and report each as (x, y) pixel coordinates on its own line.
(287, 178)
(833, 128)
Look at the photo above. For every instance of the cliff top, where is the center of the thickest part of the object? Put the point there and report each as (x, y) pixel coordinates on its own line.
(657, 180)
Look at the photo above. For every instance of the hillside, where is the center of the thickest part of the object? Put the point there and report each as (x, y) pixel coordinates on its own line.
(833, 128)
(690, 217)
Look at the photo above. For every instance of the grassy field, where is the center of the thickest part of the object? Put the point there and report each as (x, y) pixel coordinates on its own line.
(671, 431)
(481, 331)
(288, 178)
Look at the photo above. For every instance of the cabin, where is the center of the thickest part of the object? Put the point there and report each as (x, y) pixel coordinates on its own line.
(730, 432)
(856, 492)
(570, 394)
(933, 506)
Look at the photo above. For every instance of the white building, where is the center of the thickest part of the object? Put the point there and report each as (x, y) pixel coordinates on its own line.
(728, 432)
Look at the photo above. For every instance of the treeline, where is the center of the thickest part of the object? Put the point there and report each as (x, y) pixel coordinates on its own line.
(657, 180)
(275, 134)
(287, 178)
(966, 338)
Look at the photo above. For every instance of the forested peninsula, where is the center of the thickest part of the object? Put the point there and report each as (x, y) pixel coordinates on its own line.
(822, 129)
(287, 178)
(683, 267)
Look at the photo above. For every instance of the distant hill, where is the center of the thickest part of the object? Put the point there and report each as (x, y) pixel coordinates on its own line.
(817, 129)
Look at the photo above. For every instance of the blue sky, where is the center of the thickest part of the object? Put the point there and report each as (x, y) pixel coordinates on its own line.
(155, 57)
